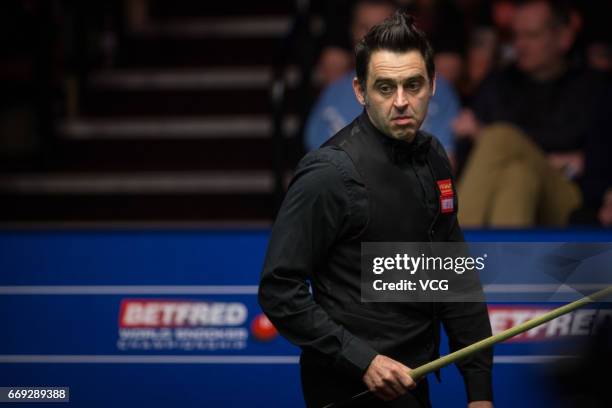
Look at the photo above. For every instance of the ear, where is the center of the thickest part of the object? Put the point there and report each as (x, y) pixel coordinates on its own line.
(359, 91)
(433, 85)
(566, 38)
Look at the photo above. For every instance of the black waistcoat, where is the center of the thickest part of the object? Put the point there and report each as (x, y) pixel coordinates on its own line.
(404, 331)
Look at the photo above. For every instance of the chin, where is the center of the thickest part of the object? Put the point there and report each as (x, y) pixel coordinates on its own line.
(526, 66)
(405, 134)
(407, 137)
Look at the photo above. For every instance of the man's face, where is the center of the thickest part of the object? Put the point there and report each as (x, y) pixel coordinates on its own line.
(539, 44)
(397, 92)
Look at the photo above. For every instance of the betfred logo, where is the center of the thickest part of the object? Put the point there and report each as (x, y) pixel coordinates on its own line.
(446, 188)
(147, 313)
(581, 322)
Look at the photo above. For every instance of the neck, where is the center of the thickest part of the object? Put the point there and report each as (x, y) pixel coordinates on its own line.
(550, 72)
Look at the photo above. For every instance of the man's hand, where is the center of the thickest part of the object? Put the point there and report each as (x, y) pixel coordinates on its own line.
(480, 404)
(572, 163)
(466, 125)
(605, 212)
(387, 378)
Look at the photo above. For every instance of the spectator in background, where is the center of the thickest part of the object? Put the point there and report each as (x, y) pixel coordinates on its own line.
(604, 214)
(337, 56)
(596, 184)
(529, 124)
(597, 34)
(441, 20)
(337, 106)
(489, 46)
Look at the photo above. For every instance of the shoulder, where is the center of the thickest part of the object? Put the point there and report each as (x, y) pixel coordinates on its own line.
(499, 79)
(444, 88)
(339, 90)
(445, 99)
(326, 178)
(591, 82)
(331, 155)
(327, 166)
(436, 147)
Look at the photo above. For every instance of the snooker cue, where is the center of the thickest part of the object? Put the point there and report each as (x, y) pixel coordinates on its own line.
(434, 365)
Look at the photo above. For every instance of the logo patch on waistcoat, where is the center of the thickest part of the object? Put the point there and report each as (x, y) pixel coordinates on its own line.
(447, 196)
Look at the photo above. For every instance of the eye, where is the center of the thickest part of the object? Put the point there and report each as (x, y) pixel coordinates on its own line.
(414, 85)
(385, 89)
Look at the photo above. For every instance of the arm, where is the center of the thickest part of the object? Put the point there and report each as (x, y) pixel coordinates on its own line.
(466, 323)
(313, 215)
(485, 108)
(480, 404)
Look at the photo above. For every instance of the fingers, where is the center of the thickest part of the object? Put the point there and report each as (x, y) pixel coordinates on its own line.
(407, 381)
(382, 390)
(387, 378)
(465, 124)
(391, 385)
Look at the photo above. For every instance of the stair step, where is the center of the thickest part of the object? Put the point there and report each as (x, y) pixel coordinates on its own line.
(187, 195)
(126, 207)
(170, 155)
(223, 27)
(187, 8)
(182, 128)
(162, 51)
(173, 103)
(189, 79)
(184, 182)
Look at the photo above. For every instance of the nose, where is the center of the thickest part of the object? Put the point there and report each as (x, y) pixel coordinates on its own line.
(400, 102)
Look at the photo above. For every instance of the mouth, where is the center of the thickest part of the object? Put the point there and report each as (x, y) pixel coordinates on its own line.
(402, 120)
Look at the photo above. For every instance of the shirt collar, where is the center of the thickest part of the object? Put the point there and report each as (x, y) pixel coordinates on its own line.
(418, 148)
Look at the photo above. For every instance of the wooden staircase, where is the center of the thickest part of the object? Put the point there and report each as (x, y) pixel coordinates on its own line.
(178, 128)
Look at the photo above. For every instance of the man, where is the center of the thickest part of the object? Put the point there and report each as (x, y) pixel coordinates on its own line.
(336, 58)
(337, 106)
(375, 180)
(529, 124)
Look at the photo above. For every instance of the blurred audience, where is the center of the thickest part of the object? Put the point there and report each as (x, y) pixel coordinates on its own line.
(529, 124)
(596, 182)
(531, 148)
(444, 24)
(489, 45)
(597, 33)
(347, 21)
(441, 20)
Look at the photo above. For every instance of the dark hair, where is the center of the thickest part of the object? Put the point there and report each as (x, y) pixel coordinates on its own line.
(560, 10)
(357, 3)
(397, 33)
